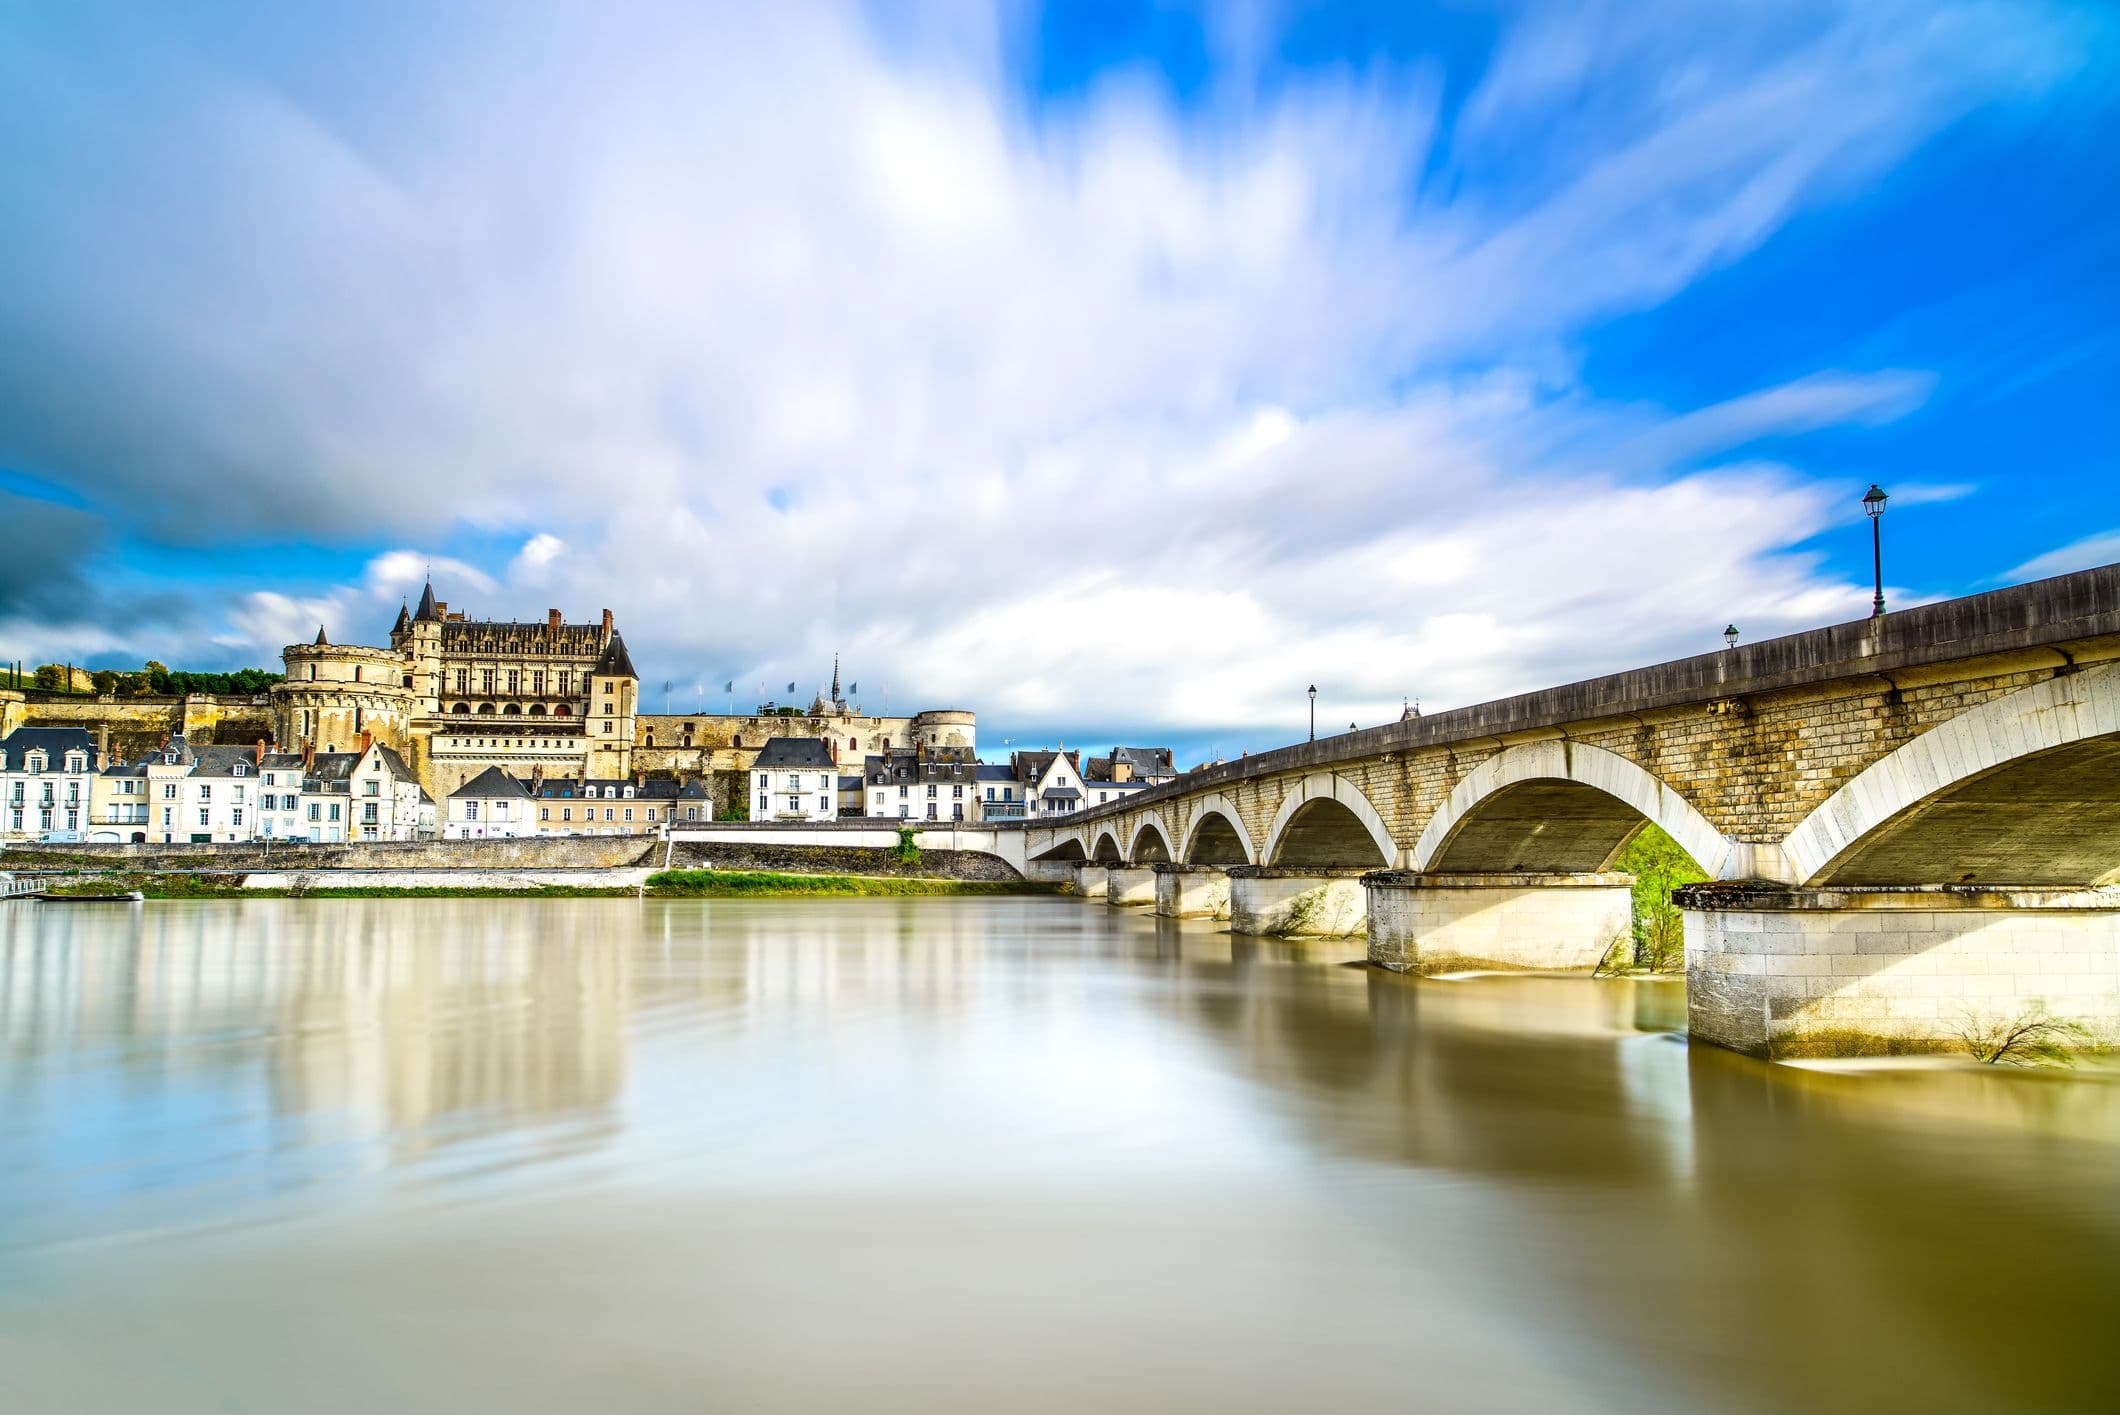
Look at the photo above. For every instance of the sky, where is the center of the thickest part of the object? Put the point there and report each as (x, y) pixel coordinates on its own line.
(1114, 370)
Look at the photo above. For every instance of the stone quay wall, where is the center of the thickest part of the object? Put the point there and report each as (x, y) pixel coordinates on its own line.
(803, 859)
(572, 852)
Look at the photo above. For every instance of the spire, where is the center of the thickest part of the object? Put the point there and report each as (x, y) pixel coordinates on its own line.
(835, 678)
(404, 622)
(321, 641)
(427, 613)
(616, 662)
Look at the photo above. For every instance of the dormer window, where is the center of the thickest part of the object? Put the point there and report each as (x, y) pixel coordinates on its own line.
(169, 759)
(34, 762)
(237, 770)
(76, 762)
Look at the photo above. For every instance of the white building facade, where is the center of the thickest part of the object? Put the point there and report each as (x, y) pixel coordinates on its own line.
(794, 778)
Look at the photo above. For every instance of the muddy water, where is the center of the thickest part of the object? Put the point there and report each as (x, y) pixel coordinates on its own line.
(975, 1155)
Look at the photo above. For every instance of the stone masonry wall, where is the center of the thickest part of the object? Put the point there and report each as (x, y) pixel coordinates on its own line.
(542, 852)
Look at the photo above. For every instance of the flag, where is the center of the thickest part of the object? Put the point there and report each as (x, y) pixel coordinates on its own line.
(791, 689)
(729, 687)
(852, 689)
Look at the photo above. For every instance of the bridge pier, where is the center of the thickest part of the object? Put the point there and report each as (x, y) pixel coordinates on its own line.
(1092, 881)
(1191, 891)
(1310, 902)
(1516, 921)
(1130, 884)
(1775, 971)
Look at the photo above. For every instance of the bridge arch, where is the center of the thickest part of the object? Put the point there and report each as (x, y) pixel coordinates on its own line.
(1108, 850)
(1561, 806)
(1065, 845)
(1151, 841)
(1216, 836)
(2023, 789)
(1326, 820)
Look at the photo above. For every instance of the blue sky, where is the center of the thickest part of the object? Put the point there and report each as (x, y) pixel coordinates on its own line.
(1115, 370)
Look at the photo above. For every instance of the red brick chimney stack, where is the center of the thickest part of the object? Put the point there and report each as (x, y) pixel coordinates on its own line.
(552, 619)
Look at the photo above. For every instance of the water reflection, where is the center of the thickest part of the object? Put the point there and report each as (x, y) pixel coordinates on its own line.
(1237, 1173)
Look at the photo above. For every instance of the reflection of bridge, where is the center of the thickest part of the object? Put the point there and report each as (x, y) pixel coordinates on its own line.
(1910, 817)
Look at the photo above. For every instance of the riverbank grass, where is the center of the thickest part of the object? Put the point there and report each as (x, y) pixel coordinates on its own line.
(749, 884)
(667, 884)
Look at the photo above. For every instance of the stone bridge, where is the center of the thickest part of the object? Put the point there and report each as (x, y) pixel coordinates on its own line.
(1912, 822)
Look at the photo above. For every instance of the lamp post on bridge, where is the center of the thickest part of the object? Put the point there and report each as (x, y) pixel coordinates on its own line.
(1873, 502)
(1313, 712)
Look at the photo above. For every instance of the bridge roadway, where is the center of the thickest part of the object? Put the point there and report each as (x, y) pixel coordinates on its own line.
(1910, 822)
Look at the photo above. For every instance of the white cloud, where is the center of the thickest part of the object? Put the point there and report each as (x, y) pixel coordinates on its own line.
(1109, 416)
(2100, 549)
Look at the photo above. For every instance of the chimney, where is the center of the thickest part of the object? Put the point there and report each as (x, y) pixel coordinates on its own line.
(607, 623)
(367, 741)
(552, 619)
(258, 756)
(102, 743)
(309, 753)
(1122, 770)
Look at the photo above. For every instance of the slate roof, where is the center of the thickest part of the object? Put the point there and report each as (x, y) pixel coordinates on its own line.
(1145, 761)
(427, 613)
(780, 753)
(56, 742)
(492, 784)
(616, 662)
(988, 772)
(1062, 793)
(568, 788)
(404, 621)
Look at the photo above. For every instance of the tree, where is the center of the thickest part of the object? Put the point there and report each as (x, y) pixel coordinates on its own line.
(106, 680)
(51, 678)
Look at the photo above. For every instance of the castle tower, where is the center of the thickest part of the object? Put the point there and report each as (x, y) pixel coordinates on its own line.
(423, 648)
(614, 702)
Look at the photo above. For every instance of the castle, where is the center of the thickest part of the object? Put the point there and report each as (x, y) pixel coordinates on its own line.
(455, 695)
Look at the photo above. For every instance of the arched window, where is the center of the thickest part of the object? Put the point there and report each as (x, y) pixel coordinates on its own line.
(739, 743)
(512, 710)
(485, 709)
(464, 708)
(563, 711)
(537, 709)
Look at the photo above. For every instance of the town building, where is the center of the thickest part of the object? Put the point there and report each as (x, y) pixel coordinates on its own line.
(47, 777)
(919, 783)
(794, 778)
(1001, 796)
(490, 806)
(589, 807)
(1145, 766)
(1051, 782)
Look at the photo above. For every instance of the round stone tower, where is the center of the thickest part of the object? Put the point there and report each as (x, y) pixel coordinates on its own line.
(336, 692)
(946, 727)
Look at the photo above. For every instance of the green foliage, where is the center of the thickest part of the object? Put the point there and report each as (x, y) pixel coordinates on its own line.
(2032, 1036)
(905, 851)
(738, 809)
(106, 680)
(1658, 866)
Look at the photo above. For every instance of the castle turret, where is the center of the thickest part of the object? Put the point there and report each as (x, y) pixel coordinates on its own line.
(614, 701)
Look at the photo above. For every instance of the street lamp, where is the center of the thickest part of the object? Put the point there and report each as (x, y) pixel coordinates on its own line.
(1313, 712)
(1730, 637)
(1873, 502)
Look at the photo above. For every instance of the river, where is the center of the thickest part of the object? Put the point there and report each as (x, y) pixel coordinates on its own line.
(1017, 1154)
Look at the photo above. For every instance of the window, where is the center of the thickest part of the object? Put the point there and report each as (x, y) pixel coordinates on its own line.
(34, 763)
(629, 813)
(651, 813)
(237, 770)
(205, 792)
(544, 813)
(931, 790)
(168, 817)
(463, 681)
(314, 811)
(537, 682)
(334, 811)
(931, 810)
(566, 813)
(607, 813)
(235, 817)
(566, 681)
(485, 678)
(958, 792)
(515, 681)
(169, 790)
(204, 816)
(371, 788)
(368, 816)
(989, 793)
(824, 803)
